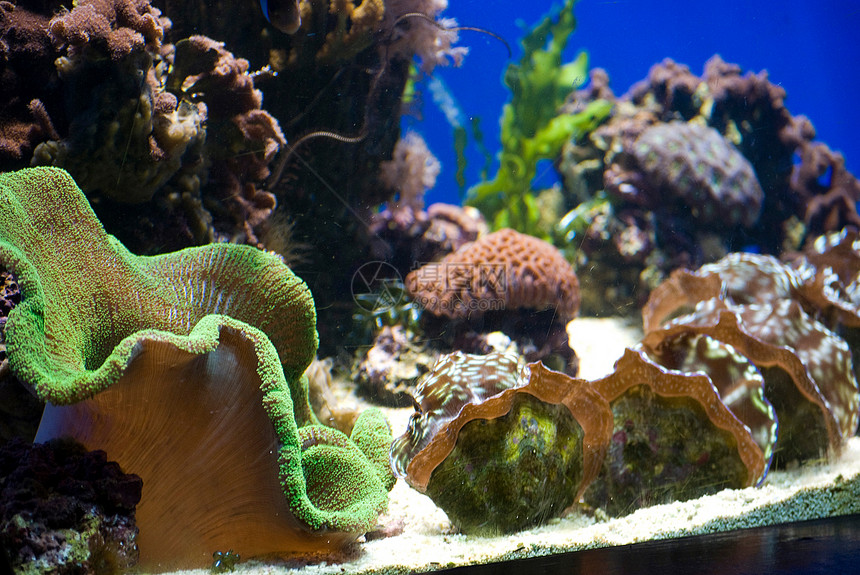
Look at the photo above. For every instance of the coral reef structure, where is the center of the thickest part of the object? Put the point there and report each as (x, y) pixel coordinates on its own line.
(638, 208)
(28, 67)
(411, 237)
(108, 65)
(20, 411)
(214, 340)
(390, 369)
(65, 510)
(335, 86)
(177, 132)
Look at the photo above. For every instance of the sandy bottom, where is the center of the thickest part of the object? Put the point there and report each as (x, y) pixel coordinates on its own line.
(428, 541)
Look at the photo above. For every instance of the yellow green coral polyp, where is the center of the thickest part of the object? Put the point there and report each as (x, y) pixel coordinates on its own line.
(512, 472)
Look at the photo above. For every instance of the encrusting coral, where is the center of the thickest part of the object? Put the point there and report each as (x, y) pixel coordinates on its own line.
(64, 510)
(213, 341)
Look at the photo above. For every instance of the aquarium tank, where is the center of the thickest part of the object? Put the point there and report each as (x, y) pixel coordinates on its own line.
(401, 286)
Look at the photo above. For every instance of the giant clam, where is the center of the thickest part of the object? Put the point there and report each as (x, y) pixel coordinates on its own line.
(500, 446)
(672, 438)
(736, 373)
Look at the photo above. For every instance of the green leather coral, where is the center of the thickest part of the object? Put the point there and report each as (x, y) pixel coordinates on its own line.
(186, 368)
(531, 127)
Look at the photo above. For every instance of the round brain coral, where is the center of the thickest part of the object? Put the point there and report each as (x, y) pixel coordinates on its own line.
(700, 167)
(502, 270)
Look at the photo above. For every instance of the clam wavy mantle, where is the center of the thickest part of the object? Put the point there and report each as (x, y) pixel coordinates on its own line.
(187, 369)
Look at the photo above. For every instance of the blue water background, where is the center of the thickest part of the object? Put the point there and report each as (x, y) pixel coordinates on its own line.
(810, 48)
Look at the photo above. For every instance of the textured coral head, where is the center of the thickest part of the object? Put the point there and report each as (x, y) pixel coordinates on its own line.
(503, 270)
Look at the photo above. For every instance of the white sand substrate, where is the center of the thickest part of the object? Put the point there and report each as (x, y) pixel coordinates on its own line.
(429, 542)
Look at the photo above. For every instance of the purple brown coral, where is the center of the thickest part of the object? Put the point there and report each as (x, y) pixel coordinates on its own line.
(658, 211)
(699, 167)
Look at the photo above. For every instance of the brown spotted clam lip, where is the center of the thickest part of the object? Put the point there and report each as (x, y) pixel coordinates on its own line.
(729, 350)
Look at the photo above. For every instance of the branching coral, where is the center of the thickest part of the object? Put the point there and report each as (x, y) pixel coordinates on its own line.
(410, 172)
(117, 27)
(110, 65)
(90, 92)
(243, 138)
(214, 340)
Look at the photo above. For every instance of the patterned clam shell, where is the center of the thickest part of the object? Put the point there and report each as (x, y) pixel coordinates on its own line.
(673, 438)
(756, 304)
(462, 388)
(738, 381)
